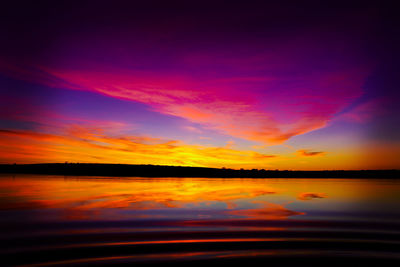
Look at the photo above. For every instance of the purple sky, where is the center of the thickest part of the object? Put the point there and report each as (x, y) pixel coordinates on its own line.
(310, 85)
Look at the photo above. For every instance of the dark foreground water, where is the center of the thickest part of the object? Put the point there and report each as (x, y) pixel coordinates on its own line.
(64, 221)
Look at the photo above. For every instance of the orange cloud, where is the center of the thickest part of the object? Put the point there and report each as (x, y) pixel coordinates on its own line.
(308, 153)
(85, 144)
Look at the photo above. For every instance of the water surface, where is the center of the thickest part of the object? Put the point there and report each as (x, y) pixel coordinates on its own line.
(56, 220)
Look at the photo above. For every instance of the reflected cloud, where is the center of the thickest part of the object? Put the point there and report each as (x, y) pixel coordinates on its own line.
(83, 199)
(310, 196)
(267, 211)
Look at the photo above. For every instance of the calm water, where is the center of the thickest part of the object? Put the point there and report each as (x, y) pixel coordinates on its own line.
(57, 220)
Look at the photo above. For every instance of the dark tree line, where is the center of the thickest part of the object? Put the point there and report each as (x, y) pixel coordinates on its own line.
(88, 169)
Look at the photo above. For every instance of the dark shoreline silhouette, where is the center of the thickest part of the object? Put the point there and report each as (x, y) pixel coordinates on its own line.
(94, 169)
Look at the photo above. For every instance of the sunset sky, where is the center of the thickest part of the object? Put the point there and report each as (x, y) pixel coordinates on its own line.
(297, 85)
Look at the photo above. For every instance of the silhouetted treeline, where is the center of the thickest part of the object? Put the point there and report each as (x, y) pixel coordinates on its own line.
(88, 169)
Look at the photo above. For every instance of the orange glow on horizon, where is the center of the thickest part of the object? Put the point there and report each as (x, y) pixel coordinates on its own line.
(94, 145)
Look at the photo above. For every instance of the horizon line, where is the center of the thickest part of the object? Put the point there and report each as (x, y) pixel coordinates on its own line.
(185, 166)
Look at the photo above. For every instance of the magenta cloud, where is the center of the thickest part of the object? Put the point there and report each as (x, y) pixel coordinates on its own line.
(265, 94)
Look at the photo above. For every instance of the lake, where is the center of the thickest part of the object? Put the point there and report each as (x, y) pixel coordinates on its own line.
(61, 220)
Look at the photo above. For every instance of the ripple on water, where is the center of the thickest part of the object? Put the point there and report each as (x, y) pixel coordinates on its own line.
(164, 222)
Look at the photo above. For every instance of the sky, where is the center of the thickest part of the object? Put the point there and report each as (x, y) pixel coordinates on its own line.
(300, 85)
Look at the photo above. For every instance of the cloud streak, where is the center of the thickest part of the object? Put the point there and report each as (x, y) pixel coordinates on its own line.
(267, 94)
(308, 153)
(226, 106)
(78, 143)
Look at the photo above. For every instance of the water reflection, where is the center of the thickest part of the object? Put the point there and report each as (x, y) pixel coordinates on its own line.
(86, 219)
(88, 198)
(309, 195)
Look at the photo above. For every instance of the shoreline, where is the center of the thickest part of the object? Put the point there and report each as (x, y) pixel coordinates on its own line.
(127, 170)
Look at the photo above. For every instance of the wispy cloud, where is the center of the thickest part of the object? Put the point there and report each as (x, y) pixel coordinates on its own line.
(240, 114)
(309, 153)
(366, 111)
(267, 96)
(83, 144)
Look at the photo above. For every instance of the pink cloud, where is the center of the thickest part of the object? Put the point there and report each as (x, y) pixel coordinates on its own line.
(366, 111)
(272, 116)
(266, 95)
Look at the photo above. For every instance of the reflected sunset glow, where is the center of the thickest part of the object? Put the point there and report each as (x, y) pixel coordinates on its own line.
(134, 219)
(262, 133)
